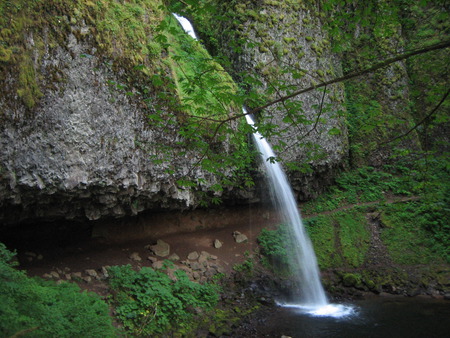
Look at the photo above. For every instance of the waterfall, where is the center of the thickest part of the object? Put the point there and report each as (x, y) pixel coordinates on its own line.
(314, 300)
(187, 27)
(312, 293)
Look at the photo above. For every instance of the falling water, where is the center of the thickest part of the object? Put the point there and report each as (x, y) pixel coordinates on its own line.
(314, 301)
(312, 292)
(187, 27)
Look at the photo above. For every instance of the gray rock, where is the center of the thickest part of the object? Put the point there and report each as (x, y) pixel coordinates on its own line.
(158, 265)
(135, 257)
(217, 244)
(174, 257)
(152, 259)
(240, 238)
(87, 279)
(91, 273)
(161, 249)
(204, 257)
(85, 152)
(193, 256)
(54, 274)
(303, 50)
(105, 271)
(76, 275)
(196, 266)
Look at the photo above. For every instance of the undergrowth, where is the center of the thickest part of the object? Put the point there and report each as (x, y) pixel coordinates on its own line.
(366, 184)
(34, 307)
(414, 234)
(415, 230)
(150, 303)
(275, 248)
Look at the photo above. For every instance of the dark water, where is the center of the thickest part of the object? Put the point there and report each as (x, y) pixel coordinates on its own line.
(380, 317)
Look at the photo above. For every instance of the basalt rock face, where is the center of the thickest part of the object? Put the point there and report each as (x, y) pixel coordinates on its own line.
(83, 152)
(286, 47)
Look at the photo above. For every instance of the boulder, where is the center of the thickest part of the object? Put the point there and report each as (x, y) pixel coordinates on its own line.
(217, 244)
(161, 248)
(239, 237)
(193, 256)
(135, 257)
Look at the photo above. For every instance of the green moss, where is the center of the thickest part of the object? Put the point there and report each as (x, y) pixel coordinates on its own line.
(354, 236)
(28, 89)
(121, 30)
(323, 236)
(406, 235)
(289, 40)
(352, 280)
(5, 54)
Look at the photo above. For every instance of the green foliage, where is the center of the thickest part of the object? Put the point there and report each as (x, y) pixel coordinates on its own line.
(365, 184)
(149, 303)
(322, 232)
(417, 232)
(246, 267)
(339, 239)
(423, 224)
(351, 279)
(274, 248)
(354, 236)
(37, 308)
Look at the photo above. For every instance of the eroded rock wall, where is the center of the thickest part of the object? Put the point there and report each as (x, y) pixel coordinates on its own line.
(84, 151)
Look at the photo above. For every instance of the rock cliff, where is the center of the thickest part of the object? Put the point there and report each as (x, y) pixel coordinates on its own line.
(76, 138)
(95, 97)
(280, 47)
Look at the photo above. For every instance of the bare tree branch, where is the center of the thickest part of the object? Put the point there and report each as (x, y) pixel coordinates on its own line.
(385, 63)
(422, 121)
(351, 75)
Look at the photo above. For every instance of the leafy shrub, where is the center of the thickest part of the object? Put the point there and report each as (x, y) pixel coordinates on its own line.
(148, 302)
(247, 266)
(275, 247)
(39, 308)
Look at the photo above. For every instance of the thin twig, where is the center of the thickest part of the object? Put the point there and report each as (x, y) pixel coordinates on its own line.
(421, 122)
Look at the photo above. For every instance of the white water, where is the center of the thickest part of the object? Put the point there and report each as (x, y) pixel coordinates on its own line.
(186, 25)
(314, 301)
(311, 288)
